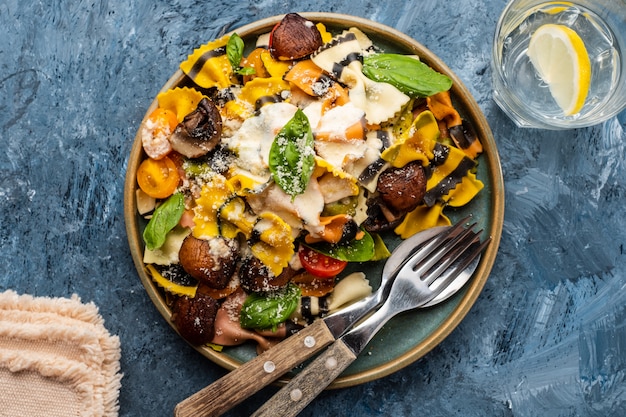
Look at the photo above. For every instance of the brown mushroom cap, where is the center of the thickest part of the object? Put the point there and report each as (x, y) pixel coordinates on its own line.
(294, 37)
(399, 191)
(212, 262)
(256, 277)
(402, 189)
(195, 318)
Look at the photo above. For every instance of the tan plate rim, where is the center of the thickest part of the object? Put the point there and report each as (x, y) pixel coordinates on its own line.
(490, 157)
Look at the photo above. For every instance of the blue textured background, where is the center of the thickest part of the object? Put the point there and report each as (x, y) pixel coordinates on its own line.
(546, 338)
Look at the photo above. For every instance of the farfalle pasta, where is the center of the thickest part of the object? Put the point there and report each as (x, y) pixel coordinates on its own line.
(290, 169)
(180, 101)
(339, 57)
(209, 66)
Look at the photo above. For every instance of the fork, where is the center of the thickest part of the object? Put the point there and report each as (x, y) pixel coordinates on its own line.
(417, 283)
(266, 368)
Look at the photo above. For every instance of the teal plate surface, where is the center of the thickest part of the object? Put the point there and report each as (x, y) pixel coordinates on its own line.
(411, 335)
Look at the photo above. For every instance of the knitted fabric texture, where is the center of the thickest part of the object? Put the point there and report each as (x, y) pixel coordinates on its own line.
(56, 359)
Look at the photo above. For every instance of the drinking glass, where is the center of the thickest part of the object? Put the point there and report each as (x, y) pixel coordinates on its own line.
(521, 93)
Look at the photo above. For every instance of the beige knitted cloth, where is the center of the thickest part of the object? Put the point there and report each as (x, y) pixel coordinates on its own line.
(56, 359)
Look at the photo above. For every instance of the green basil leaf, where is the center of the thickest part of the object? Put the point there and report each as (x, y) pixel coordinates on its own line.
(361, 250)
(406, 73)
(164, 219)
(234, 50)
(267, 311)
(292, 156)
(245, 71)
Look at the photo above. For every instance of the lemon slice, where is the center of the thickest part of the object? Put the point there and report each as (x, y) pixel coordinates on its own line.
(560, 58)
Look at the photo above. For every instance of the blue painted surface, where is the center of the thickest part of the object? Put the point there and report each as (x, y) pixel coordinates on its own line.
(547, 337)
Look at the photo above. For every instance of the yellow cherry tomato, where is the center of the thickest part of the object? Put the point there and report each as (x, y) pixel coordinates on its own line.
(158, 178)
(163, 118)
(156, 132)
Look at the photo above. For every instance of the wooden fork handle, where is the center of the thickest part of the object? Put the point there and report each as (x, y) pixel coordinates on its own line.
(257, 373)
(304, 387)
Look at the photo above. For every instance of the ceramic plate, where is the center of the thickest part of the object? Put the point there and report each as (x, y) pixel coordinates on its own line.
(411, 335)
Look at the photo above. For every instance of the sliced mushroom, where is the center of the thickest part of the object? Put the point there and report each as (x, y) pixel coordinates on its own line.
(199, 132)
(380, 218)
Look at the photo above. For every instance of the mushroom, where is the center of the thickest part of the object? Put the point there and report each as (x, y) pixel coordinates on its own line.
(379, 217)
(399, 191)
(256, 277)
(212, 261)
(195, 318)
(199, 132)
(402, 189)
(294, 37)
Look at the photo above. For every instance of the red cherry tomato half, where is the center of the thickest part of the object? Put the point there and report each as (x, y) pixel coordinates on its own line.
(320, 265)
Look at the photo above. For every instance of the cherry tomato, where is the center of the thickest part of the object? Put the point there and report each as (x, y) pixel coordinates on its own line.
(155, 134)
(158, 178)
(320, 265)
(163, 118)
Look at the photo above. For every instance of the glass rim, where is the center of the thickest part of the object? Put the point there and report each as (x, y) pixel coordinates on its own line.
(512, 105)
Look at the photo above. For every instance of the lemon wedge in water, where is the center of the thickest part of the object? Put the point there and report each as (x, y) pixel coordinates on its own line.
(560, 58)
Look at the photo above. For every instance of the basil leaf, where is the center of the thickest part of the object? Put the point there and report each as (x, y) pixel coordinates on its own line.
(269, 310)
(245, 71)
(292, 156)
(407, 74)
(165, 217)
(361, 250)
(234, 50)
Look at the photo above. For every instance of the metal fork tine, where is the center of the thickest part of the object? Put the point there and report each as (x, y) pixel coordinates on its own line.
(443, 251)
(424, 251)
(447, 256)
(469, 253)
